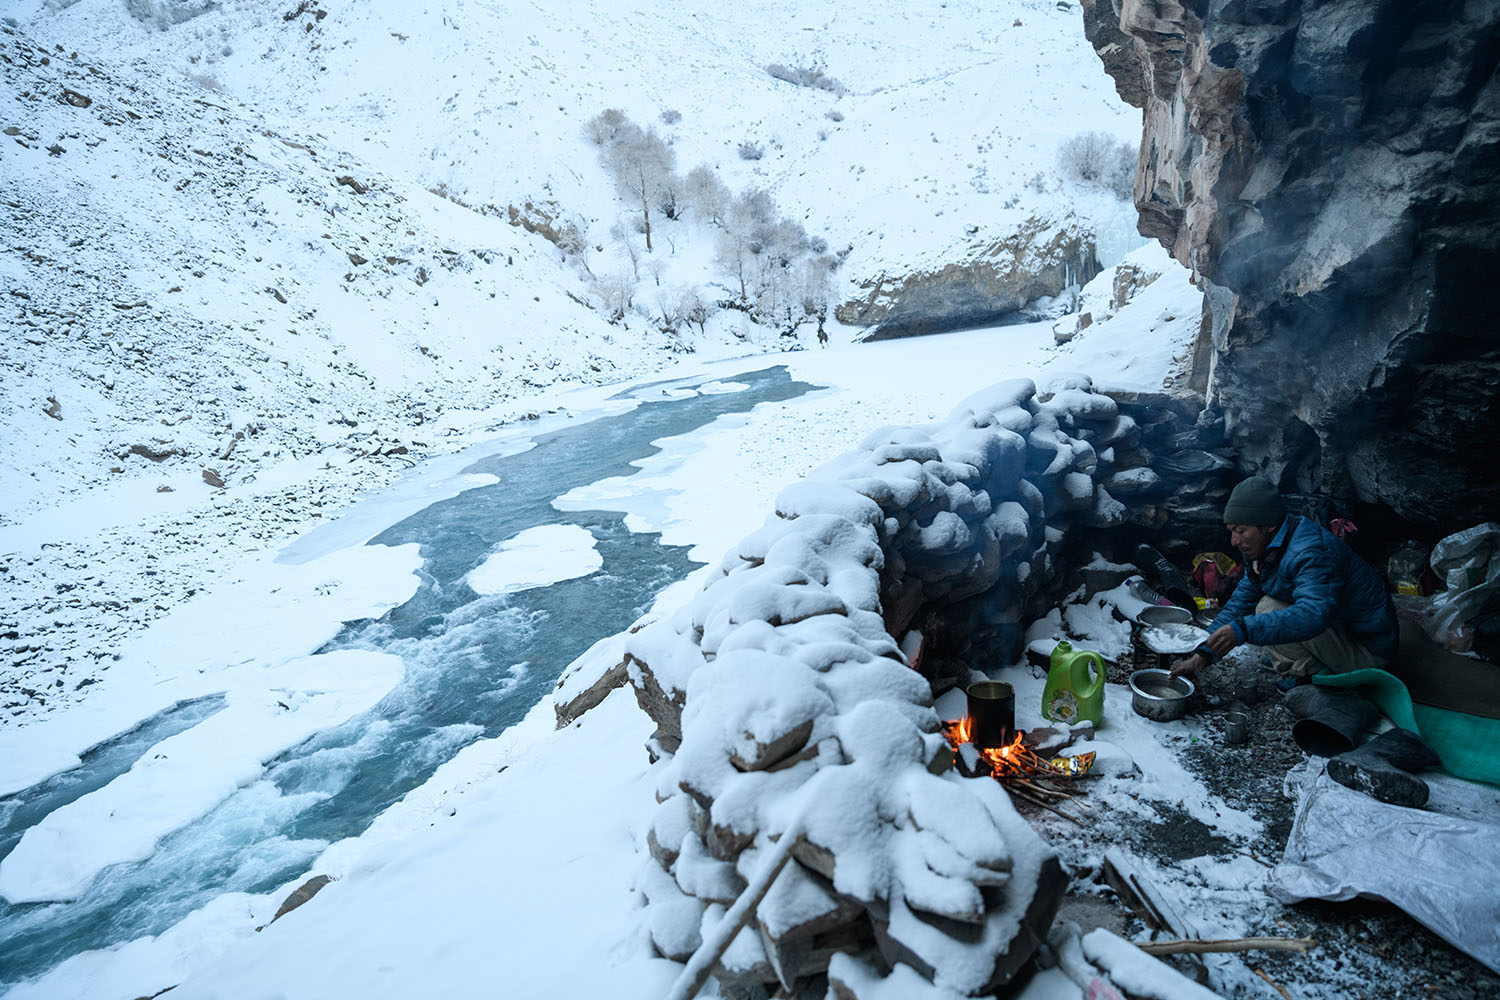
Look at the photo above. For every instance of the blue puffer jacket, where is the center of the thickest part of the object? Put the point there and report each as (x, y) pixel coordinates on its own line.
(1326, 584)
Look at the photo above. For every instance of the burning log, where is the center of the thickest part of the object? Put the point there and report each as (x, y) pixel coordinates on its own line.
(1024, 774)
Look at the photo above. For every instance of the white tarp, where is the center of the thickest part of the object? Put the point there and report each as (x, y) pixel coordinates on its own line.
(1440, 864)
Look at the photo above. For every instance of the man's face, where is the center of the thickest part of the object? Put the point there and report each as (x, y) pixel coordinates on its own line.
(1251, 539)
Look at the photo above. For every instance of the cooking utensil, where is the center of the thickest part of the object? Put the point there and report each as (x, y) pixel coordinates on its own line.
(992, 714)
(1158, 696)
(1236, 727)
(1165, 614)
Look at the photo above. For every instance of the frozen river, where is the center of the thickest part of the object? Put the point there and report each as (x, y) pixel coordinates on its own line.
(474, 664)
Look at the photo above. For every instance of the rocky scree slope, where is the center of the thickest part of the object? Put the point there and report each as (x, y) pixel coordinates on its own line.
(260, 323)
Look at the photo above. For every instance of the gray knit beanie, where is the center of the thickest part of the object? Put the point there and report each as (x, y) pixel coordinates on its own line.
(1254, 501)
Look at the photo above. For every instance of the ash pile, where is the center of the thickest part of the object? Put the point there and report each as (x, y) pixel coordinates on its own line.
(812, 837)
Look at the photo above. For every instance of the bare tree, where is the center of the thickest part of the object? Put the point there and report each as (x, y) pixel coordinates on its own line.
(706, 195)
(732, 251)
(642, 164)
(743, 238)
(656, 267)
(627, 240)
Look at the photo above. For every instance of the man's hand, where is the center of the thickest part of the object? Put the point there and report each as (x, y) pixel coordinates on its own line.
(1188, 666)
(1223, 640)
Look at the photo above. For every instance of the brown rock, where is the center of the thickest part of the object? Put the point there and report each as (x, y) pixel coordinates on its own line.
(765, 756)
(151, 452)
(595, 694)
(663, 708)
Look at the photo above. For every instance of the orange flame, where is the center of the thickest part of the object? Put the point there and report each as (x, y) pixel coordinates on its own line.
(1015, 759)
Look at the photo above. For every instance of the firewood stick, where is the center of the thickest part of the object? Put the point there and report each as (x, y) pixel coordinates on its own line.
(1278, 987)
(1034, 788)
(1044, 805)
(716, 943)
(1194, 947)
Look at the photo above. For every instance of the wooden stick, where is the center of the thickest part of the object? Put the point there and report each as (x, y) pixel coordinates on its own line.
(1193, 947)
(1277, 986)
(696, 972)
(1035, 789)
(1039, 802)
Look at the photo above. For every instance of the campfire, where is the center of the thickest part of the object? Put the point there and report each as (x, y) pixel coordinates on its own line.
(1025, 775)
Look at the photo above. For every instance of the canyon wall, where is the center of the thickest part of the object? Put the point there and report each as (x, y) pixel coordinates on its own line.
(1330, 172)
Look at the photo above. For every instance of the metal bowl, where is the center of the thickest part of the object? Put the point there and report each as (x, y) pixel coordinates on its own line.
(1158, 696)
(1165, 614)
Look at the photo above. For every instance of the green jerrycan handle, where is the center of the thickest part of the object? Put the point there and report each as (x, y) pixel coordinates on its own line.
(1078, 673)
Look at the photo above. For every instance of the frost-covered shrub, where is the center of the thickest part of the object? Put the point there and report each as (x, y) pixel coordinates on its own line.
(834, 115)
(571, 238)
(163, 14)
(670, 198)
(751, 150)
(605, 127)
(614, 294)
(1099, 158)
(805, 76)
(671, 116)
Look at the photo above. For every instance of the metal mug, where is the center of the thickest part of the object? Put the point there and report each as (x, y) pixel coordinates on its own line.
(992, 714)
(1236, 727)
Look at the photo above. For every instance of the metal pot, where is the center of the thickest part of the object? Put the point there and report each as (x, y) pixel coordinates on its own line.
(1173, 639)
(1164, 614)
(1158, 696)
(992, 714)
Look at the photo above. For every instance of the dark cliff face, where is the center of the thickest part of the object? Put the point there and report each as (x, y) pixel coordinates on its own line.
(1331, 172)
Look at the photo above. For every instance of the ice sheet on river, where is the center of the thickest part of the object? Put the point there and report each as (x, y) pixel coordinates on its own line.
(537, 557)
(263, 615)
(184, 776)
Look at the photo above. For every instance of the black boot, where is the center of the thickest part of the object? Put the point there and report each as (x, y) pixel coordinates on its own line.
(1383, 767)
(1328, 722)
(1169, 580)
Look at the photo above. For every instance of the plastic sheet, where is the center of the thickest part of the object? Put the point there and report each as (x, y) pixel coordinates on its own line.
(1439, 864)
(1466, 563)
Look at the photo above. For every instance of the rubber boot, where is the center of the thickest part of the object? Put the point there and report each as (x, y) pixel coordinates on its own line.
(1383, 768)
(1328, 722)
(1169, 580)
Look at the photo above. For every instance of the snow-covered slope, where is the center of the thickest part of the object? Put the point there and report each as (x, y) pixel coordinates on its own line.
(228, 263)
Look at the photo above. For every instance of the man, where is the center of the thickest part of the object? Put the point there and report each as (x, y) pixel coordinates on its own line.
(1304, 595)
(1315, 606)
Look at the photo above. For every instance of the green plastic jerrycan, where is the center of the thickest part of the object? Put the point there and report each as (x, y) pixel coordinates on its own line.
(1071, 694)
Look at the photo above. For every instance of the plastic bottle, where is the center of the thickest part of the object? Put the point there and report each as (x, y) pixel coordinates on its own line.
(1406, 566)
(1142, 591)
(1074, 692)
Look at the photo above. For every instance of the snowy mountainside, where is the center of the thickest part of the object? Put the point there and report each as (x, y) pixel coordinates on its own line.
(936, 118)
(191, 274)
(218, 159)
(193, 296)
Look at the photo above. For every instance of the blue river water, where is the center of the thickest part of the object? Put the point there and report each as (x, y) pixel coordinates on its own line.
(474, 665)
